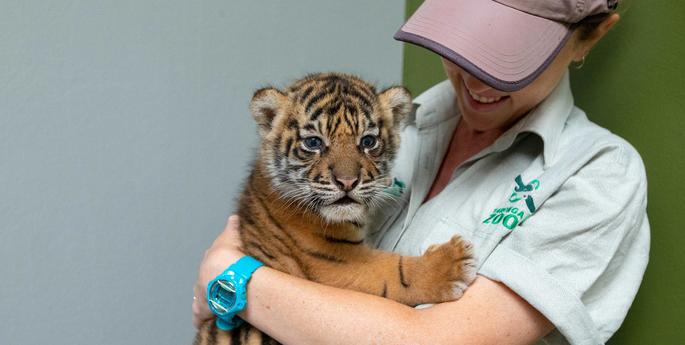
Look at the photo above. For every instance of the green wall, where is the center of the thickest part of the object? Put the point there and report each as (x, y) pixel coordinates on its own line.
(633, 83)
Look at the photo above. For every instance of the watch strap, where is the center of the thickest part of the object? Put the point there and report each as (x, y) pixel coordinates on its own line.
(238, 274)
(245, 266)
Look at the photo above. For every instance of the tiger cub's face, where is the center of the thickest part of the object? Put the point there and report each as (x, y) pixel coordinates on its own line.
(328, 142)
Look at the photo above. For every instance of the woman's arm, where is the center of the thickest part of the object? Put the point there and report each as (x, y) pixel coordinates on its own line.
(298, 311)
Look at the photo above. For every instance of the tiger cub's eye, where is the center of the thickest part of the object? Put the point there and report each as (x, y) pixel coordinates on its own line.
(313, 143)
(368, 142)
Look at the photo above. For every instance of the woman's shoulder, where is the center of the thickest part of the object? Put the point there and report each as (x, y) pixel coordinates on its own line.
(598, 145)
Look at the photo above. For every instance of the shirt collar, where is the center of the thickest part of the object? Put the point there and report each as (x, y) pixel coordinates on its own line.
(435, 105)
(547, 120)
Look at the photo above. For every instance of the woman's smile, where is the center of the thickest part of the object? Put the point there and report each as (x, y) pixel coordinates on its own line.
(482, 102)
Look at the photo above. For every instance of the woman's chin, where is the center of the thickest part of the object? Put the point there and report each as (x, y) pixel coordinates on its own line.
(484, 116)
(480, 122)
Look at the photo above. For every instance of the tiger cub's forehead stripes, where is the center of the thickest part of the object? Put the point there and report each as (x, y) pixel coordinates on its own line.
(341, 98)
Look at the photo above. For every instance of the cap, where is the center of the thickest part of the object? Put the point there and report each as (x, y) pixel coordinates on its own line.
(504, 43)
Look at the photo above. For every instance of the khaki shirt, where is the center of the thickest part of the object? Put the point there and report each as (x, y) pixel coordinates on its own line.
(555, 209)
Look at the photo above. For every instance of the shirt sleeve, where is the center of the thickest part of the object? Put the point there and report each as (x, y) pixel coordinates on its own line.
(581, 257)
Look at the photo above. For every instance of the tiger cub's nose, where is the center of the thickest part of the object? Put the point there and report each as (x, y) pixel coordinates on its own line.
(346, 183)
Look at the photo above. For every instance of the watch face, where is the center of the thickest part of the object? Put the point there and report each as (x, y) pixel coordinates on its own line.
(222, 297)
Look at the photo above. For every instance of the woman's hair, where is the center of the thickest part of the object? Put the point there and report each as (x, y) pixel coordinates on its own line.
(586, 26)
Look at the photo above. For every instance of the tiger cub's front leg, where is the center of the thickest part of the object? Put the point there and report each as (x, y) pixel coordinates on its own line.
(441, 274)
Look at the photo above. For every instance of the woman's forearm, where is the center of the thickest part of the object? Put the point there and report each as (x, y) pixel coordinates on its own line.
(297, 311)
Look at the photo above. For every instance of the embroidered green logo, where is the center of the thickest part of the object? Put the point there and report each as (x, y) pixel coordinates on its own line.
(512, 216)
(524, 188)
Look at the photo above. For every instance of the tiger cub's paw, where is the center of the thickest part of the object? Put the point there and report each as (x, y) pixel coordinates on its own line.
(453, 267)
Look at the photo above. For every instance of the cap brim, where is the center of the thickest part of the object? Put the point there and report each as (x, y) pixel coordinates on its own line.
(502, 46)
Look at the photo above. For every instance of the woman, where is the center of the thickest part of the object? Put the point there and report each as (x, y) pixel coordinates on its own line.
(554, 204)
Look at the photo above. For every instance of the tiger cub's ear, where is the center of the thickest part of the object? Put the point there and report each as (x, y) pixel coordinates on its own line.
(265, 105)
(398, 100)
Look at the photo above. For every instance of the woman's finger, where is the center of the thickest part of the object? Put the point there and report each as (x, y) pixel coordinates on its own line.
(224, 251)
(230, 235)
(200, 309)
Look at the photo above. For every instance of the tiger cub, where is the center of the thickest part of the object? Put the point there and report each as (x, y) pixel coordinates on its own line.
(328, 142)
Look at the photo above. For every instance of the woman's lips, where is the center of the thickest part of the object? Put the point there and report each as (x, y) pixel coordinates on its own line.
(483, 103)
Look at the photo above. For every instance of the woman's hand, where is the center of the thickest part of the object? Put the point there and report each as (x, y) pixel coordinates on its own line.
(224, 251)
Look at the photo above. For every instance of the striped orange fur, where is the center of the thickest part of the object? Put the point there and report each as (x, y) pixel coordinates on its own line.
(328, 143)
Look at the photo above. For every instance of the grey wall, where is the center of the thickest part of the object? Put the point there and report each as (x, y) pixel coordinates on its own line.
(124, 135)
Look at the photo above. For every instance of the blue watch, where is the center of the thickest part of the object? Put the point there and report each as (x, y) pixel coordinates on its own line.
(226, 294)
